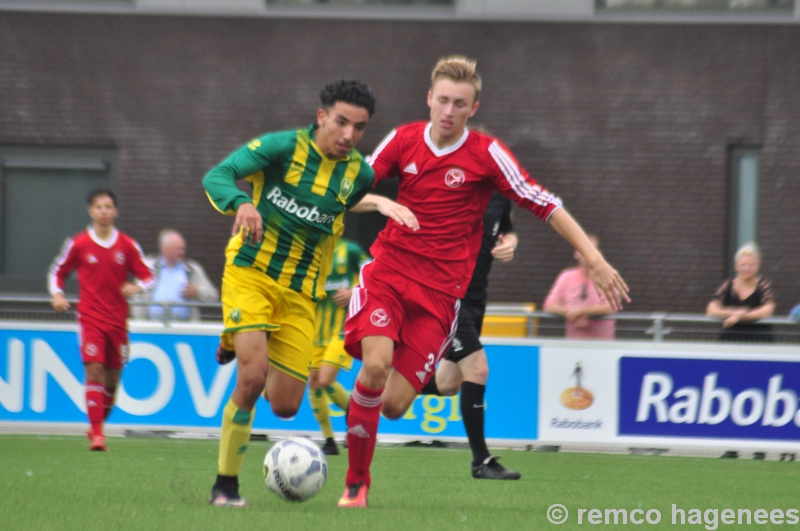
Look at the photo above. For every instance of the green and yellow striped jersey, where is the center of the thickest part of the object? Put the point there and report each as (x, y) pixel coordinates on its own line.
(301, 195)
(348, 259)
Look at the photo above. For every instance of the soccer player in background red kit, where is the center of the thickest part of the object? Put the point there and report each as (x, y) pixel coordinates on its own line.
(403, 317)
(103, 258)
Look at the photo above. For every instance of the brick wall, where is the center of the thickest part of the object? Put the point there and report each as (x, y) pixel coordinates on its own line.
(629, 124)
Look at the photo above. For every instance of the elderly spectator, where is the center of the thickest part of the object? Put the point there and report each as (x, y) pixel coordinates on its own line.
(178, 279)
(794, 314)
(745, 298)
(573, 295)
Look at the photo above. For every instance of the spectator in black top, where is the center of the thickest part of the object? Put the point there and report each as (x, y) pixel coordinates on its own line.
(745, 298)
(465, 365)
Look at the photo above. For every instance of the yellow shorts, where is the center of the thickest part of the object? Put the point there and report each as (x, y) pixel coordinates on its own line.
(331, 354)
(253, 301)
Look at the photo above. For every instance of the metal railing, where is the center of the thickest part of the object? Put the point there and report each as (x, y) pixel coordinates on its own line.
(38, 308)
(655, 326)
(521, 320)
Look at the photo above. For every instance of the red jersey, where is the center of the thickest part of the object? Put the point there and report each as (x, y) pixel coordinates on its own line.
(103, 267)
(448, 190)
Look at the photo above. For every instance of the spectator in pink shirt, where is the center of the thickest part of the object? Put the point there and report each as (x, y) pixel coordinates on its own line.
(573, 296)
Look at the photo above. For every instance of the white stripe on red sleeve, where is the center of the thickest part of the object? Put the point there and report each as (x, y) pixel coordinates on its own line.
(521, 186)
(381, 147)
(54, 282)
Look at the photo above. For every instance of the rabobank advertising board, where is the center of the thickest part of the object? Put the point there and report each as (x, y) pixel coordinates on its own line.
(721, 398)
(635, 393)
(172, 381)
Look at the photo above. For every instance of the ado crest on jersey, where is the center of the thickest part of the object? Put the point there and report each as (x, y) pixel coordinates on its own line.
(290, 206)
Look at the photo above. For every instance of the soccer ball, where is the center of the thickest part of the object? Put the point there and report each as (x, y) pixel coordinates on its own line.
(295, 469)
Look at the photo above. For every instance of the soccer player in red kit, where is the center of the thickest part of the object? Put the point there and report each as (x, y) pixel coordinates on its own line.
(103, 258)
(404, 315)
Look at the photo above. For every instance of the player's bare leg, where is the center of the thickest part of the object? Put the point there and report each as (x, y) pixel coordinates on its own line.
(112, 378)
(362, 421)
(319, 380)
(96, 404)
(285, 393)
(448, 378)
(237, 418)
(398, 395)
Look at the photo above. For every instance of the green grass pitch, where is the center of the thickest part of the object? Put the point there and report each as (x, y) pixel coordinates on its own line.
(55, 483)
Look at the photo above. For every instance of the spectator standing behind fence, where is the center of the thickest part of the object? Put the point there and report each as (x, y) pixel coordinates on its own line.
(573, 295)
(178, 279)
(745, 298)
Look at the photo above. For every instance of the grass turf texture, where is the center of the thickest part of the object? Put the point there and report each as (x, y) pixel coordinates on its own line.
(149, 484)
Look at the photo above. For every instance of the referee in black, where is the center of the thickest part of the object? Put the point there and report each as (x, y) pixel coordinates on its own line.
(465, 365)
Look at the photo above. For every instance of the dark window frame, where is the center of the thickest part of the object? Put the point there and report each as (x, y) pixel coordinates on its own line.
(48, 158)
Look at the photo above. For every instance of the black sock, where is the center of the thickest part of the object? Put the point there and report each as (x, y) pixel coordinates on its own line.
(430, 387)
(228, 484)
(472, 408)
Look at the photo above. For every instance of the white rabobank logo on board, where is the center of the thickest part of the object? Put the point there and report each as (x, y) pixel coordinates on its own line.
(709, 398)
(712, 404)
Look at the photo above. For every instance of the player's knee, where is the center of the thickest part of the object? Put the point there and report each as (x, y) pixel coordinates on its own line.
(252, 384)
(376, 368)
(284, 411)
(480, 374)
(314, 380)
(449, 387)
(95, 372)
(393, 410)
(476, 372)
(326, 381)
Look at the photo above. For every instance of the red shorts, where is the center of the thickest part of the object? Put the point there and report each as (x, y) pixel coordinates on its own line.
(421, 321)
(106, 345)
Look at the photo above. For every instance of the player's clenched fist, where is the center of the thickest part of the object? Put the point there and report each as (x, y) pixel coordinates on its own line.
(60, 304)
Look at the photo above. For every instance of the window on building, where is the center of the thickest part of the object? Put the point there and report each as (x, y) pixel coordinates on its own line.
(744, 164)
(696, 5)
(42, 202)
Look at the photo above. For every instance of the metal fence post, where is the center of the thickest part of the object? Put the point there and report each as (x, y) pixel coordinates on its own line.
(658, 327)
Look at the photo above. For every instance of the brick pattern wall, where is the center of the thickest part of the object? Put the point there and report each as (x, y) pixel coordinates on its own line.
(629, 123)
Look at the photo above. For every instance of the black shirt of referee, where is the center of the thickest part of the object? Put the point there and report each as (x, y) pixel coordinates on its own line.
(497, 220)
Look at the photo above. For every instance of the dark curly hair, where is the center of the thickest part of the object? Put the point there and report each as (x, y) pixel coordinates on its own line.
(349, 91)
(101, 192)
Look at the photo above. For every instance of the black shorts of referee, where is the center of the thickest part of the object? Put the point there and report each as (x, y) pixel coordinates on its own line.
(470, 322)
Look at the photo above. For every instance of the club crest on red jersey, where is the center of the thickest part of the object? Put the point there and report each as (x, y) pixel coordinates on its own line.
(454, 178)
(119, 256)
(379, 318)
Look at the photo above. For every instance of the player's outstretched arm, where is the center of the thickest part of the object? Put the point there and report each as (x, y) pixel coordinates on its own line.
(400, 214)
(607, 281)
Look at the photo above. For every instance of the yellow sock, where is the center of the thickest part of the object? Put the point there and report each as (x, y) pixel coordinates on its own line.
(319, 406)
(236, 427)
(338, 395)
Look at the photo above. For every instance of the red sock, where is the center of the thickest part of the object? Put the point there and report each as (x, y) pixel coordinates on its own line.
(95, 406)
(108, 394)
(362, 432)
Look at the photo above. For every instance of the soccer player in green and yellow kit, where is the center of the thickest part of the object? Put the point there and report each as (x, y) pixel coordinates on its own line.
(329, 355)
(279, 255)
